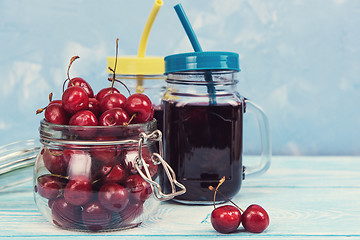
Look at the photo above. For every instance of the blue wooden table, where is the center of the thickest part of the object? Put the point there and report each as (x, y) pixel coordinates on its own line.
(306, 198)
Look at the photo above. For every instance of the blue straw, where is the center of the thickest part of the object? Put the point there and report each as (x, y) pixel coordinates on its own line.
(187, 27)
(196, 46)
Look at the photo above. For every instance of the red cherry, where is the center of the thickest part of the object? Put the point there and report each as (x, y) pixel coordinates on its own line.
(140, 105)
(226, 219)
(55, 161)
(113, 173)
(55, 101)
(139, 189)
(78, 191)
(112, 100)
(64, 214)
(112, 117)
(50, 186)
(75, 99)
(55, 113)
(255, 219)
(105, 91)
(131, 212)
(94, 106)
(78, 81)
(113, 197)
(106, 153)
(95, 216)
(83, 118)
(150, 164)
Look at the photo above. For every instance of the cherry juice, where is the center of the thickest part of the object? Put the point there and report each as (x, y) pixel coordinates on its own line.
(158, 115)
(203, 143)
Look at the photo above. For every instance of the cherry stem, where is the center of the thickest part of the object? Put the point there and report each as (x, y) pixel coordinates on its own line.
(60, 176)
(97, 180)
(132, 117)
(67, 73)
(111, 79)
(71, 61)
(221, 181)
(116, 56)
(56, 154)
(50, 96)
(64, 84)
(216, 190)
(40, 110)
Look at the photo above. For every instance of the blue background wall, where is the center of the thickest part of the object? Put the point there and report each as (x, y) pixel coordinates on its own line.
(300, 60)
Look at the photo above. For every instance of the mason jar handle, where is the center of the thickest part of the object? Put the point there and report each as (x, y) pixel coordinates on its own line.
(157, 159)
(265, 156)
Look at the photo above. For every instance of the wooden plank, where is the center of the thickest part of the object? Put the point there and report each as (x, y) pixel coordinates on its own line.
(306, 197)
(308, 171)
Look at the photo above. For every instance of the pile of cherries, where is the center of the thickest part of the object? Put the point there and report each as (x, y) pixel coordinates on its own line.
(227, 218)
(80, 107)
(94, 187)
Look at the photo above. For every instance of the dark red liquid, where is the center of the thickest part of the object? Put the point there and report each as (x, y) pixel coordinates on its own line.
(158, 115)
(203, 143)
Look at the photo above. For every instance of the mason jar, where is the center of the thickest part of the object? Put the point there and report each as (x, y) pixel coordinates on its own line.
(203, 125)
(98, 178)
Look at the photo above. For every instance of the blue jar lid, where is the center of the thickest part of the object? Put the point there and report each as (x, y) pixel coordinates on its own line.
(210, 60)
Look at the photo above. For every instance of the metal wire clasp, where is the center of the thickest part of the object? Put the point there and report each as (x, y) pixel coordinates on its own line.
(157, 159)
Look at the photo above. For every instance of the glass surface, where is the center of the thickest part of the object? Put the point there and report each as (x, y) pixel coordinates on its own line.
(203, 144)
(203, 132)
(85, 177)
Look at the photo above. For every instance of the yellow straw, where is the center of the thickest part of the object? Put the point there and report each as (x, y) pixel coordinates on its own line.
(143, 41)
(148, 25)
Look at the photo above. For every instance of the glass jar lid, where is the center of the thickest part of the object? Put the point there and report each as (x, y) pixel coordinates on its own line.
(194, 61)
(133, 65)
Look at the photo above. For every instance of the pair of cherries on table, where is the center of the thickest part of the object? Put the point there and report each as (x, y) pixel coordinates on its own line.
(227, 218)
